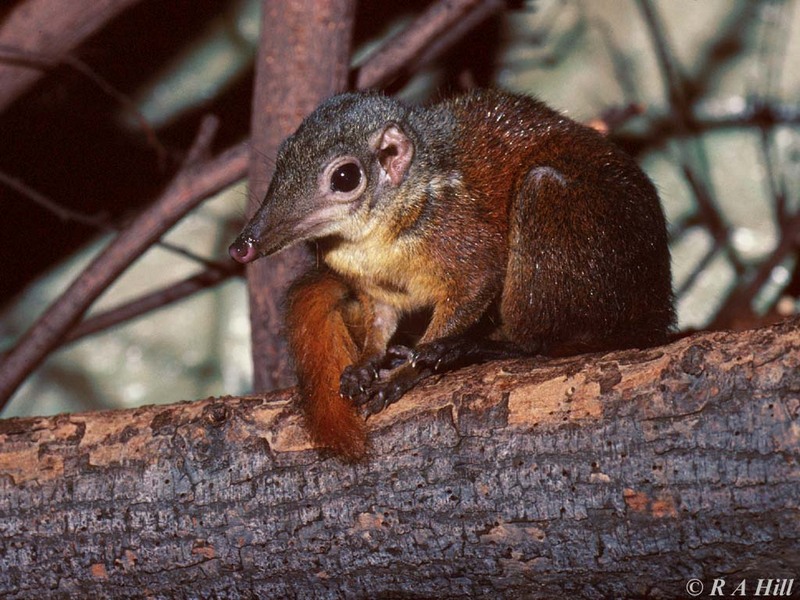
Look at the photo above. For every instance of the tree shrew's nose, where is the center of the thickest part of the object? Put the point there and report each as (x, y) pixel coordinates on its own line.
(243, 250)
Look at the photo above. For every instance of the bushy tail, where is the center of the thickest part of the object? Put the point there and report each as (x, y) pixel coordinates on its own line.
(322, 346)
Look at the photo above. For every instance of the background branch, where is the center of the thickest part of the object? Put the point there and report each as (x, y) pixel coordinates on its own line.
(153, 301)
(188, 189)
(44, 27)
(435, 30)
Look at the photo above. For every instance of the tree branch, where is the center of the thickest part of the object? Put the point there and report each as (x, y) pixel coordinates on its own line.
(691, 151)
(739, 301)
(189, 188)
(149, 302)
(48, 28)
(621, 475)
(433, 32)
(66, 215)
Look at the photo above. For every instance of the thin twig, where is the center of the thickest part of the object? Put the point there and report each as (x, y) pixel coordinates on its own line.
(741, 299)
(699, 268)
(63, 213)
(776, 179)
(451, 35)
(680, 108)
(404, 49)
(716, 117)
(201, 147)
(673, 79)
(154, 300)
(772, 51)
(43, 61)
(624, 71)
(98, 222)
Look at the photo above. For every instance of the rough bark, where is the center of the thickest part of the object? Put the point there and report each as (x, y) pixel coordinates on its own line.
(618, 475)
(303, 58)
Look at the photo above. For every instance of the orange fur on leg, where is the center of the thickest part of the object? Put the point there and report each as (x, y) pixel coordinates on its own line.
(322, 346)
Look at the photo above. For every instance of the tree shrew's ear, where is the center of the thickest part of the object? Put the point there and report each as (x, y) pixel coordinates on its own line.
(395, 151)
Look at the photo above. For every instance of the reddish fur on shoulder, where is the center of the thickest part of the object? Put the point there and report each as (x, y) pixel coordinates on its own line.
(322, 346)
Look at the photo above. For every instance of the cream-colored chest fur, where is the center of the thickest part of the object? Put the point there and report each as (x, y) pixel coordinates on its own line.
(397, 273)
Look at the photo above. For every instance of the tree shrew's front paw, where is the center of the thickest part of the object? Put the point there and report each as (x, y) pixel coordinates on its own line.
(389, 388)
(356, 380)
(380, 381)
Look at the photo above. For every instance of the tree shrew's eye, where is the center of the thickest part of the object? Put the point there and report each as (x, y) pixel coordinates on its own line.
(346, 177)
